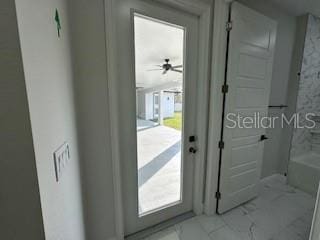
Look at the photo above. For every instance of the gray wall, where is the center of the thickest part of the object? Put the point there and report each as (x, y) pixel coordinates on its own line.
(49, 81)
(20, 208)
(88, 45)
(277, 147)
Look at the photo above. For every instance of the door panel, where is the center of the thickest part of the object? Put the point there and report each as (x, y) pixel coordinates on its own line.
(251, 48)
(140, 167)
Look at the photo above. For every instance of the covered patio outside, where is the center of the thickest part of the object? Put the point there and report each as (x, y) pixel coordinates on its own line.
(159, 60)
(159, 167)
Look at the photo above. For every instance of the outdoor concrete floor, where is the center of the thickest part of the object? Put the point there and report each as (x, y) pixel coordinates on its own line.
(145, 124)
(159, 167)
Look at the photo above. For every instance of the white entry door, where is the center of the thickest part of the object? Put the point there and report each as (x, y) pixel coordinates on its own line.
(249, 73)
(157, 52)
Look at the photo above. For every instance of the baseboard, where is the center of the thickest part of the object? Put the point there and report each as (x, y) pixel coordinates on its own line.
(159, 227)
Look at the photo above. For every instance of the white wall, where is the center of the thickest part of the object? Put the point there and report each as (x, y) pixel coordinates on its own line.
(88, 46)
(49, 81)
(276, 156)
(20, 208)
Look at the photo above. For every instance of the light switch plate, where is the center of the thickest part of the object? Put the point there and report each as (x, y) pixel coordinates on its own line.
(61, 157)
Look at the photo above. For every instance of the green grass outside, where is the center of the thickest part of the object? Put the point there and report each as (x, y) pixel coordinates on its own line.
(175, 122)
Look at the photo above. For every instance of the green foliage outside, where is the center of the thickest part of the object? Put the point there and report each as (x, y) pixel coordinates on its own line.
(175, 122)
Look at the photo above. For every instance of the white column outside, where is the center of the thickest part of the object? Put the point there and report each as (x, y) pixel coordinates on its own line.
(160, 120)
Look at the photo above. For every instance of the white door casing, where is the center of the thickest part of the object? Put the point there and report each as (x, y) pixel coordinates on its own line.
(249, 72)
(125, 10)
(203, 11)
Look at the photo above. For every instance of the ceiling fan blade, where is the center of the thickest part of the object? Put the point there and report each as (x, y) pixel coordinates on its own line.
(178, 66)
(164, 71)
(176, 70)
(149, 70)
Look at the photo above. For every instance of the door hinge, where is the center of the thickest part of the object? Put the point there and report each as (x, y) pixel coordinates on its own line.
(221, 144)
(218, 195)
(225, 88)
(229, 26)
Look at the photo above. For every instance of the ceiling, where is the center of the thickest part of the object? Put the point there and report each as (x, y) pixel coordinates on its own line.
(299, 7)
(154, 42)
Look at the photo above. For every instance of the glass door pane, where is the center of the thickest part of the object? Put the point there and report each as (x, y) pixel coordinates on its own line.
(159, 59)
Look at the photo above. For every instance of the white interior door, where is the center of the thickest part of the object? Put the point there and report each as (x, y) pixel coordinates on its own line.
(156, 165)
(249, 73)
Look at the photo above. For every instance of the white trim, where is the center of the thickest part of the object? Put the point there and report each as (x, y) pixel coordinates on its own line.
(111, 57)
(202, 10)
(218, 74)
(203, 108)
(195, 7)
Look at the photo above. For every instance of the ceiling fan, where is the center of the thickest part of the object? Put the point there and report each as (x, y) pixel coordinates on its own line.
(168, 67)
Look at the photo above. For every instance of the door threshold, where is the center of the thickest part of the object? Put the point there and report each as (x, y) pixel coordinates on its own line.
(159, 227)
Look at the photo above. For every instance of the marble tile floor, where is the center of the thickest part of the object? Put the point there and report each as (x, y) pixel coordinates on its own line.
(281, 212)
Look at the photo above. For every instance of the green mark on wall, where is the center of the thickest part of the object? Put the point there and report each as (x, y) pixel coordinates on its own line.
(57, 19)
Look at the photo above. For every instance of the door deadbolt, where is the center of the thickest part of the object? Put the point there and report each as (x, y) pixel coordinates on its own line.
(192, 138)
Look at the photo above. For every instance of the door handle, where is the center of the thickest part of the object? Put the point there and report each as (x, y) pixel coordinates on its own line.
(263, 137)
(192, 150)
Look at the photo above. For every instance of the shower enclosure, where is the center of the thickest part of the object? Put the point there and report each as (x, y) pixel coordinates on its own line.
(304, 164)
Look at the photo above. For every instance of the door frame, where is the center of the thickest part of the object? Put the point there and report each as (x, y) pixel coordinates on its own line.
(203, 10)
(218, 66)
